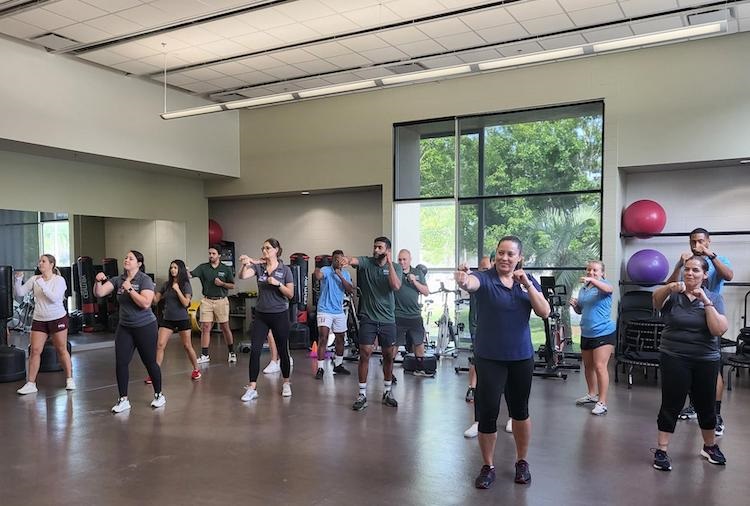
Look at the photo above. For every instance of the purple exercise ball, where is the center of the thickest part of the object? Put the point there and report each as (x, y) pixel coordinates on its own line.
(648, 266)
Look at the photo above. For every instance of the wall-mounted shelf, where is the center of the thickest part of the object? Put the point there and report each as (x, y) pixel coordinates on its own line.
(633, 283)
(684, 234)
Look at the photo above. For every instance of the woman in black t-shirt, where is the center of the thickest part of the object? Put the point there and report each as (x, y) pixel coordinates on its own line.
(173, 298)
(690, 358)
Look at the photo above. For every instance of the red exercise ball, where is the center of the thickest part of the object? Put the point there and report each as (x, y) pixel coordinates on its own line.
(644, 218)
(215, 233)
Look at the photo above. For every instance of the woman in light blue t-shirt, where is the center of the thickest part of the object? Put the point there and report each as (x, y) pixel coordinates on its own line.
(598, 334)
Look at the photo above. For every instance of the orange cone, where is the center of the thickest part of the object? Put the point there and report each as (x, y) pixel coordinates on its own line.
(314, 350)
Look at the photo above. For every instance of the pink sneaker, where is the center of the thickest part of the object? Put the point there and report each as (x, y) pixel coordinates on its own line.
(148, 380)
(196, 375)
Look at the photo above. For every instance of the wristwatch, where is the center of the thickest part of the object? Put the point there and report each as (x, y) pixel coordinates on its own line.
(712, 256)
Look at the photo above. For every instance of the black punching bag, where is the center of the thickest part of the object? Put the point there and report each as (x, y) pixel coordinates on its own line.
(12, 360)
(299, 333)
(110, 266)
(86, 297)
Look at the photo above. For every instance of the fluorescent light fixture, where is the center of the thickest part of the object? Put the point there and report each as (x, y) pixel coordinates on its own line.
(195, 111)
(250, 102)
(655, 38)
(305, 193)
(339, 88)
(531, 58)
(426, 74)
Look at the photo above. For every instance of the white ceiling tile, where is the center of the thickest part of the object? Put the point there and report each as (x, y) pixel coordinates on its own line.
(104, 57)
(43, 19)
(265, 19)
(384, 54)
(82, 33)
(255, 77)
(285, 72)
(158, 60)
(228, 27)
(574, 39)
(634, 8)
(254, 92)
(601, 14)
(114, 24)
(690, 3)
(226, 83)
(315, 82)
(332, 25)
(193, 55)
(114, 5)
(657, 25)
(372, 16)
(157, 43)
(135, 50)
(744, 24)
(443, 27)
(261, 62)
(549, 24)
(316, 67)
(292, 56)
(202, 74)
(225, 48)
(19, 29)
(461, 41)
(422, 47)
(305, 10)
(364, 43)
(402, 35)
(576, 5)
(487, 18)
(146, 16)
(610, 33)
(350, 5)
(75, 9)
(231, 68)
(195, 35)
(373, 73)
(282, 87)
(342, 77)
(457, 4)
(176, 79)
(520, 48)
(409, 9)
(200, 87)
(442, 61)
(293, 33)
(257, 41)
(534, 9)
(503, 33)
(181, 9)
(327, 49)
(136, 67)
(478, 55)
(743, 11)
(349, 61)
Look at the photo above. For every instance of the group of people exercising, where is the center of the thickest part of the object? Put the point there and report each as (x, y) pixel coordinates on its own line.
(503, 296)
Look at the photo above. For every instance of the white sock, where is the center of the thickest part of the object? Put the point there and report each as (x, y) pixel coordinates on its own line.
(321, 363)
(363, 388)
(387, 386)
(338, 360)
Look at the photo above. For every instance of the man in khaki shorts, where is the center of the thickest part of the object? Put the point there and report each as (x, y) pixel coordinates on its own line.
(216, 279)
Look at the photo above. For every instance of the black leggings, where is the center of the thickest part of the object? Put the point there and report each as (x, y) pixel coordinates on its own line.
(278, 323)
(495, 377)
(128, 339)
(680, 376)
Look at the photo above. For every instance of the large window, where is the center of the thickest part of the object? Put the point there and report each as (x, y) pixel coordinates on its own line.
(536, 174)
(24, 235)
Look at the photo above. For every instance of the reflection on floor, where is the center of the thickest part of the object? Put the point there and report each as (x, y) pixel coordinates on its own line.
(207, 447)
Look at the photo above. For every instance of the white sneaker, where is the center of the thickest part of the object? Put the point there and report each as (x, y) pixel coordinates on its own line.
(232, 358)
(587, 399)
(123, 404)
(286, 390)
(509, 426)
(472, 431)
(272, 367)
(203, 359)
(70, 384)
(249, 395)
(599, 409)
(159, 400)
(28, 388)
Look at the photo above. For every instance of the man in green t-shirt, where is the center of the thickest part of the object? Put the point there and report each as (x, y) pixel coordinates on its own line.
(377, 277)
(409, 325)
(216, 279)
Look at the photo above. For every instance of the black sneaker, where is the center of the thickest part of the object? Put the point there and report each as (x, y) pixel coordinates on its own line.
(714, 455)
(389, 400)
(393, 379)
(719, 430)
(470, 394)
(523, 476)
(662, 462)
(340, 369)
(486, 477)
(360, 403)
(319, 374)
(688, 413)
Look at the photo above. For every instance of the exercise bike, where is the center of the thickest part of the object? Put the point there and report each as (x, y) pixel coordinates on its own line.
(23, 313)
(445, 342)
(552, 353)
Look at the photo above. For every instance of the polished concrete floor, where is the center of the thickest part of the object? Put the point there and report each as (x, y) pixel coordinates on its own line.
(207, 447)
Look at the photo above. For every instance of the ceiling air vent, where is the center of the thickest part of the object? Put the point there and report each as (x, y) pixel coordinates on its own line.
(228, 97)
(54, 41)
(406, 68)
(701, 18)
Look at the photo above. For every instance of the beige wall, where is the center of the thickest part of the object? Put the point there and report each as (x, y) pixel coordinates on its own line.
(87, 237)
(312, 224)
(674, 103)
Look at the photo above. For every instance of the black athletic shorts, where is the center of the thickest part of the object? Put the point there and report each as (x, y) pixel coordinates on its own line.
(409, 331)
(370, 330)
(590, 343)
(175, 325)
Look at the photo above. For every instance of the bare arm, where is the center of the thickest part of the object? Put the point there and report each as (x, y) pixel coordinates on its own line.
(184, 299)
(353, 261)
(466, 282)
(663, 292)
(348, 287)
(318, 273)
(102, 289)
(717, 322)
(724, 271)
(675, 276)
(247, 271)
(599, 284)
(393, 279)
(144, 299)
(422, 289)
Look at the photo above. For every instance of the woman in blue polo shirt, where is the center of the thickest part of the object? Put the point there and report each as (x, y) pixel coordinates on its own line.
(505, 297)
